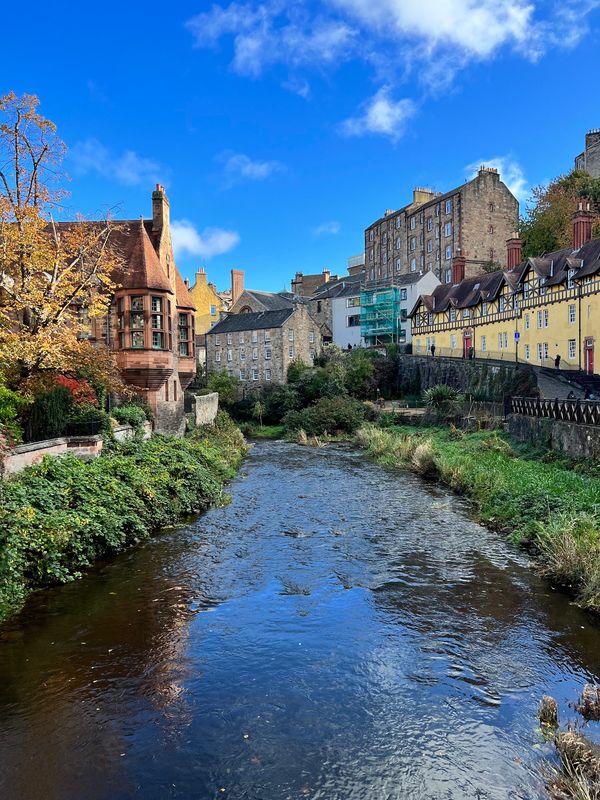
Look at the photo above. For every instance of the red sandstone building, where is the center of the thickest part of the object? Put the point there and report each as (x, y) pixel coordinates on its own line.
(151, 325)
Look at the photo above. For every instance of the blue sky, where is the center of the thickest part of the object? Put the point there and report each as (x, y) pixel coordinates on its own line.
(281, 130)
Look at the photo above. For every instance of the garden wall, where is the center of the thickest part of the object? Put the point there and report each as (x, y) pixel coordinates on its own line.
(207, 406)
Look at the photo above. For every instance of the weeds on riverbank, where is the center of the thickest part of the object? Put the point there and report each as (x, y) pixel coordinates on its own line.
(57, 517)
(544, 506)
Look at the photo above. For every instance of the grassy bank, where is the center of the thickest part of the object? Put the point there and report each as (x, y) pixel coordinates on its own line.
(58, 517)
(548, 507)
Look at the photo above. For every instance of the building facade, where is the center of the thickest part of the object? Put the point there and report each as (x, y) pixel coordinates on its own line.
(473, 220)
(305, 285)
(531, 313)
(258, 347)
(589, 160)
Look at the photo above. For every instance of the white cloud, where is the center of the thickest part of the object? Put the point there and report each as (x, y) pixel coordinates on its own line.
(298, 86)
(238, 166)
(510, 171)
(129, 168)
(381, 115)
(273, 33)
(211, 242)
(331, 227)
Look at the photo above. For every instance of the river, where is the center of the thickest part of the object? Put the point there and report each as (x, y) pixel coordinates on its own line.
(337, 632)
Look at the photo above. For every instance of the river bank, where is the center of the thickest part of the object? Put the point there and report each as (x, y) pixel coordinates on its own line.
(58, 517)
(546, 507)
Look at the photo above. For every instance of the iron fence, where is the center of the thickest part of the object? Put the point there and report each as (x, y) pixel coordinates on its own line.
(583, 412)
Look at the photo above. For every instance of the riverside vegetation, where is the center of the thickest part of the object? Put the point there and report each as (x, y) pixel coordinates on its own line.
(549, 506)
(57, 517)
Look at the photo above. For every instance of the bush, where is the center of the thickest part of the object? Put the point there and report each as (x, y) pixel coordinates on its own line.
(227, 387)
(47, 417)
(328, 415)
(443, 400)
(129, 415)
(88, 419)
(12, 406)
(60, 515)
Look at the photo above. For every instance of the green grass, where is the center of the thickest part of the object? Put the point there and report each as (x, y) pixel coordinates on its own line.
(264, 432)
(543, 505)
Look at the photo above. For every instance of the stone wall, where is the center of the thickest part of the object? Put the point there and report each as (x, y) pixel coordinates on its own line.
(579, 441)
(206, 407)
(485, 381)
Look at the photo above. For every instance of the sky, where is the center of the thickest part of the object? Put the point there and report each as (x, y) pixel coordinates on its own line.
(282, 130)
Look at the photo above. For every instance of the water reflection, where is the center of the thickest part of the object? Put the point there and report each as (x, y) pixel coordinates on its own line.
(337, 632)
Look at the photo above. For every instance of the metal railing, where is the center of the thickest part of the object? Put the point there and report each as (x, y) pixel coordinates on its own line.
(508, 356)
(583, 412)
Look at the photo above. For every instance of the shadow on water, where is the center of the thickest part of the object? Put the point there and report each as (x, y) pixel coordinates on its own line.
(337, 632)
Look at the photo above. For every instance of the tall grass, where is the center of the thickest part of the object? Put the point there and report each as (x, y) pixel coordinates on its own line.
(544, 506)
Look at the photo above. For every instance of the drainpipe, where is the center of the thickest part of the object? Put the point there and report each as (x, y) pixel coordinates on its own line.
(580, 348)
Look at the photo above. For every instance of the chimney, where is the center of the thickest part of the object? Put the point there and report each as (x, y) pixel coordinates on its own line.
(187, 283)
(458, 268)
(237, 284)
(201, 277)
(582, 224)
(514, 251)
(326, 275)
(160, 210)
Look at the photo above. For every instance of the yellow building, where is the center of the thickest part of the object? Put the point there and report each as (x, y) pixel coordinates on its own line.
(208, 303)
(533, 312)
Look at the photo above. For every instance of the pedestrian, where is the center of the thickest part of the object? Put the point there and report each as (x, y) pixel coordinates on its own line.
(571, 395)
(471, 353)
(432, 348)
(557, 361)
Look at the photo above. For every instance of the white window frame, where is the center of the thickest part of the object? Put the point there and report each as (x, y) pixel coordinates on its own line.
(572, 313)
(572, 348)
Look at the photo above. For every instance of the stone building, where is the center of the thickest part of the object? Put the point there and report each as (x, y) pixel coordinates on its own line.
(258, 346)
(151, 324)
(473, 220)
(305, 285)
(589, 160)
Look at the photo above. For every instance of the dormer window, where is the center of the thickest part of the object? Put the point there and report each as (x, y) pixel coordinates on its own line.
(570, 281)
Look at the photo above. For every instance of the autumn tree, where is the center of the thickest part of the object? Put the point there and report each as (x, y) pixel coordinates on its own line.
(54, 277)
(546, 225)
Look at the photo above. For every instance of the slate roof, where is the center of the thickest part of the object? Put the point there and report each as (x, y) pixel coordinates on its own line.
(259, 320)
(273, 301)
(346, 287)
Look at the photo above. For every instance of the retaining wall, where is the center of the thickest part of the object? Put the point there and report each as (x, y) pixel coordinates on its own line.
(580, 441)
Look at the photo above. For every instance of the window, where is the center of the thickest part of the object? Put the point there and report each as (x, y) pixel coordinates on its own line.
(526, 322)
(267, 354)
(448, 278)
(319, 302)
(484, 309)
(437, 210)
(505, 340)
(452, 342)
(217, 339)
(526, 350)
(429, 223)
(213, 311)
(572, 313)
(267, 336)
(466, 313)
(491, 207)
(230, 371)
(543, 290)
(254, 337)
(242, 354)
(398, 222)
(448, 206)
(385, 258)
(353, 321)
(539, 319)
(230, 355)
(413, 223)
(158, 340)
(570, 281)
(398, 265)
(137, 303)
(546, 350)
(490, 228)
(290, 335)
(218, 356)
(229, 338)
(291, 351)
(351, 302)
(413, 264)
(185, 344)
(267, 375)
(402, 294)
(448, 229)
(502, 303)
(539, 351)
(483, 344)
(241, 338)
(429, 246)
(254, 374)
(546, 317)
(398, 243)
(526, 289)
(167, 391)
(452, 315)
(255, 354)
(371, 236)
(384, 237)
(242, 374)
(448, 252)
(413, 243)
(572, 349)
(500, 341)
(311, 337)
(137, 339)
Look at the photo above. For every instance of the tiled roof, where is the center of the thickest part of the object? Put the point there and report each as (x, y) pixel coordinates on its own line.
(272, 301)
(259, 320)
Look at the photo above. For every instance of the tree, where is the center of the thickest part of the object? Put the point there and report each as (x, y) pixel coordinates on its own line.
(547, 224)
(258, 410)
(54, 277)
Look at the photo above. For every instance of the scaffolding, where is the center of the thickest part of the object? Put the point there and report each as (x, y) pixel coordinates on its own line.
(380, 316)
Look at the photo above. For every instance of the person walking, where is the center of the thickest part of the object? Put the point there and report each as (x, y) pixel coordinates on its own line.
(557, 361)
(432, 348)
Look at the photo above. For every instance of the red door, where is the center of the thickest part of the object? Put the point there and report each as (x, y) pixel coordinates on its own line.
(589, 356)
(466, 345)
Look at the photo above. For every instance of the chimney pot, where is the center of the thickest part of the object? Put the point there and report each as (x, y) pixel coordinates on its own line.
(583, 219)
(514, 251)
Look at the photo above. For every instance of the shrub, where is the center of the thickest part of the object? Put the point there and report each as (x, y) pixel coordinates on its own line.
(328, 415)
(227, 387)
(443, 400)
(82, 420)
(129, 415)
(12, 406)
(47, 417)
